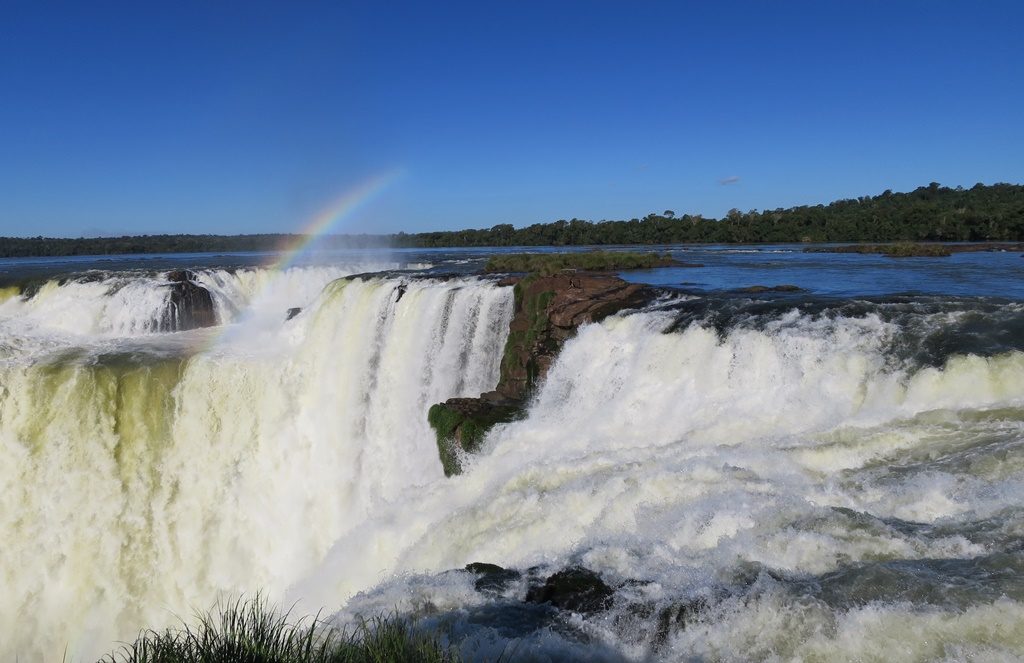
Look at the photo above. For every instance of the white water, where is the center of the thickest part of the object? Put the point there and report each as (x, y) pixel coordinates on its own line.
(679, 458)
(294, 458)
(133, 492)
(129, 304)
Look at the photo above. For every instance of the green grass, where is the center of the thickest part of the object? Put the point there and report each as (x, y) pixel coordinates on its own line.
(552, 263)
(251, 631)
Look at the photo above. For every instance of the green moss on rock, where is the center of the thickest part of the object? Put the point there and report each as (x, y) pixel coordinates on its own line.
(460, 425)
(531, 326)
(548, 310)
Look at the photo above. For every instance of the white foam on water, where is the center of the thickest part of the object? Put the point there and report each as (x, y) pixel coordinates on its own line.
(119, 305)
(132, 492)
(295, 458)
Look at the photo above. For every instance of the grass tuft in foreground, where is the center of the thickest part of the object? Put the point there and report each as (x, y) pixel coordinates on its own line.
(254, 632)
(551, 263)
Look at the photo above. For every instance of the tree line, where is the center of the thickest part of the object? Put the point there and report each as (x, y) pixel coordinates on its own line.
(14, 247)
(929, 213)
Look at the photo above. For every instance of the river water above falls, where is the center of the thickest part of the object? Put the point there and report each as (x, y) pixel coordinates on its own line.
(830, 473)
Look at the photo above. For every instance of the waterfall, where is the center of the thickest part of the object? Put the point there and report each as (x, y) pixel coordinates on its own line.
(798, 473)
(138, 485)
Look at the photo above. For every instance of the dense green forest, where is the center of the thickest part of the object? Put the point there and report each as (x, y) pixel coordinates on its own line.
(931, 213)
(54, 246)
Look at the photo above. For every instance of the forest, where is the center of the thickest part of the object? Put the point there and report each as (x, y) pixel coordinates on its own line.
(929, 213)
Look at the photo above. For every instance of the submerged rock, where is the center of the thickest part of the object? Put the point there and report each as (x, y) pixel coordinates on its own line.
(491, 577)
(292, 312)
(580, 590)
(655, 622)
(92, 276)
(577, 589)
(675, 618)
(771, 288)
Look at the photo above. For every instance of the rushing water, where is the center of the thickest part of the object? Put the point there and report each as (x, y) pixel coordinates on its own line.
(831, 474)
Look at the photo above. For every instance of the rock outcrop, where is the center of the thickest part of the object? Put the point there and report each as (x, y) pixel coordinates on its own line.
(491, 578)
(580, 590)
(548, 310)
(189, 306)
(461, 423)
(577, 589)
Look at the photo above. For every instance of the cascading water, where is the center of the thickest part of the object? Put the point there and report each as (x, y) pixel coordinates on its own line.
(119, 304)
(137, 484)
(766, 476)
(756, 481)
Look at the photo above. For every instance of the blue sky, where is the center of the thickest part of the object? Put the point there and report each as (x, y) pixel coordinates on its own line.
(145, 117)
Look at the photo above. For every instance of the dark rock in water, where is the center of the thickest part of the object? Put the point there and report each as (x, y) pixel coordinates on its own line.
(402, 287)
(676, 618)
(773, 288)
(576, 588)
(181, 276)
(292, 312)
(89, 277)
(189, 306)
(655, 621)
(492, 578)
(484, 567)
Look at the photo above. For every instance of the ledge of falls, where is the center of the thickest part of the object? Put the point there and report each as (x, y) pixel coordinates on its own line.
(548, 310)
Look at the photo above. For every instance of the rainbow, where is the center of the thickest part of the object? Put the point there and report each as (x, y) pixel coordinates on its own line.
(322, 223)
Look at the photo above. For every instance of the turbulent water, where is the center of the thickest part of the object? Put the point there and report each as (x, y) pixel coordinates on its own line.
(758, 477)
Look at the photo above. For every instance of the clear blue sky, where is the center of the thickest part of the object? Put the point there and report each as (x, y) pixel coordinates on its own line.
(233, 117)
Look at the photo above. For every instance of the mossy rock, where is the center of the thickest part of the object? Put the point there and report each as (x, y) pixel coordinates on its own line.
(460, 425)
(529, 334)
(548, 310)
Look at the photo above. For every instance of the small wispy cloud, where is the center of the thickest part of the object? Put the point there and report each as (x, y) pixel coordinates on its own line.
(732, 179)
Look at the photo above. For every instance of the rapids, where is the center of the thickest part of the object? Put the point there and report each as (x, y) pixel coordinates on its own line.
(805, 478)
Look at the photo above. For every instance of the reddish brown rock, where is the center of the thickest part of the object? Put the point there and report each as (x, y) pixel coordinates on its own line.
(548, 311)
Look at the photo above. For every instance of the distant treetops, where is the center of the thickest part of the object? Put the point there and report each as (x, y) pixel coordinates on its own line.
(933, 213)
